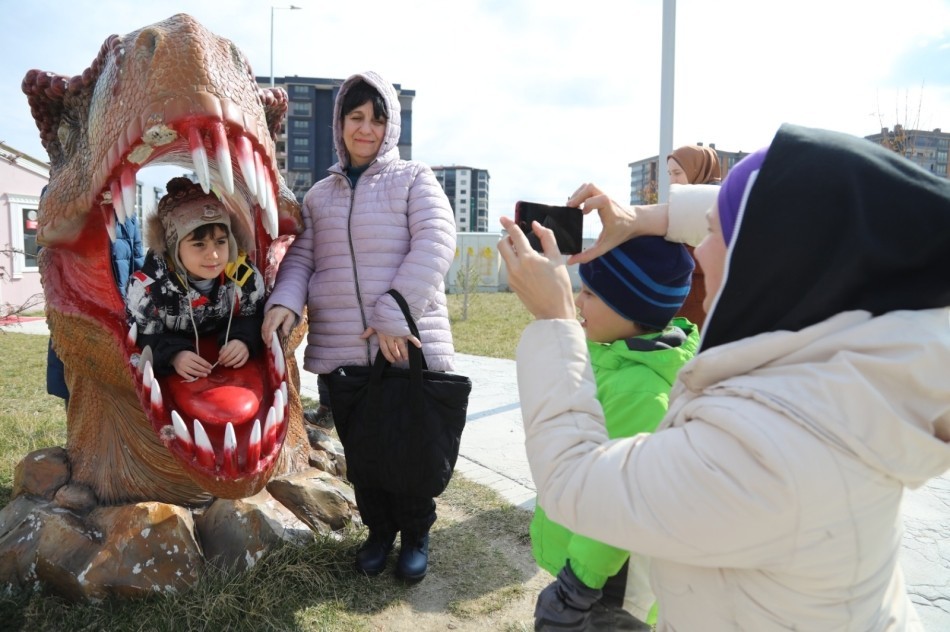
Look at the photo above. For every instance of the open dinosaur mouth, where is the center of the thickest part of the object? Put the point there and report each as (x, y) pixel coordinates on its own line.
(230, 426)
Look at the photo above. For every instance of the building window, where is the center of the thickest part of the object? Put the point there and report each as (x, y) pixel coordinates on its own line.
(300, 91)
(299, 180)
(299, 161)
(301, 125)
(24, 215)
(941, 156)
(301, 142)
(300, 108)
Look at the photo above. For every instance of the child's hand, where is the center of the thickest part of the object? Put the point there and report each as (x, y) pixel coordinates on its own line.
(234, 354)
(190, 365)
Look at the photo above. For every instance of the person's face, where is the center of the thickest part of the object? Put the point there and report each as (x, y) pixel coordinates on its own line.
(600, 322)
(711, 256)
(677, 175)
(363, 134)
(205, 258)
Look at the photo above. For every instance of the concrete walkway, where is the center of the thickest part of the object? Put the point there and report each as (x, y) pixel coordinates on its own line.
(492, 454)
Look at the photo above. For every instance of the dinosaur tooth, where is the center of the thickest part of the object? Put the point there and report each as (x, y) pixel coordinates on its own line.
(260, 180)
(145, 359)
(270, 430)
(127, 182)
(245, 156)
(110, 225)
(182, 434)
(279, 405)
(254, 446)
(148, 375)
(230, 451)
(199, 156)
(204, 453)
(156, 399)
(223, 156)
(115, 188)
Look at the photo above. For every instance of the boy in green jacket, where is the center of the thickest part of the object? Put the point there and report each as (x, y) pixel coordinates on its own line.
(627, 305)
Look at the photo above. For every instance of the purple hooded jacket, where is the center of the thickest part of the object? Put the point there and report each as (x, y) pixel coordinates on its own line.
(395, 229)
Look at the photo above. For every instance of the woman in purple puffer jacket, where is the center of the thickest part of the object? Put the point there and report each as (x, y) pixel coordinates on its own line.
(376, 223)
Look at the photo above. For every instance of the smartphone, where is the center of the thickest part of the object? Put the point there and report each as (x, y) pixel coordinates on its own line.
(566, 222)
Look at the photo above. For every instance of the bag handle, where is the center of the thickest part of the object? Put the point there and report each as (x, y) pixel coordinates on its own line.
(417, 364)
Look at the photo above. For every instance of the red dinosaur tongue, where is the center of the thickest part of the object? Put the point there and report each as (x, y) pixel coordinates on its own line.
(227, 395)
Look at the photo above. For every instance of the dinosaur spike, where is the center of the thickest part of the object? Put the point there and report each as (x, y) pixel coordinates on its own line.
(204, 453)
(254, 446)
(270, 431)
(230, 451)
(199, 156)
(181, 432)
(223, 154)
(245, 156)
(116, 189)
(133, 333)
(127, 181)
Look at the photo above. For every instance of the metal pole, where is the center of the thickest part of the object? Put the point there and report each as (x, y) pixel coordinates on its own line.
(666, 99)
(272, 47)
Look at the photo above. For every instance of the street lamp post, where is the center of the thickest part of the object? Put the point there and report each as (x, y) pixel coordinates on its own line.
(292, 8)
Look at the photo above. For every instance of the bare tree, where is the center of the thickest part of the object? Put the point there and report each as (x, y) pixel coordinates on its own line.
(9, 311)
(903, 138)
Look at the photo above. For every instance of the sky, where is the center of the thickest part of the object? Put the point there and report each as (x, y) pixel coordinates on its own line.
(549, 94)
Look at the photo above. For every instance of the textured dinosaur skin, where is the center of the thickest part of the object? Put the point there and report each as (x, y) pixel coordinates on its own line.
(169, 93)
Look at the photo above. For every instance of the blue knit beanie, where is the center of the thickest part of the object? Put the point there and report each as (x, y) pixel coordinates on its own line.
(645, 280)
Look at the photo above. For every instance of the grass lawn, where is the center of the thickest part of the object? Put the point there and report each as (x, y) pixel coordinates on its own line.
(482, 575)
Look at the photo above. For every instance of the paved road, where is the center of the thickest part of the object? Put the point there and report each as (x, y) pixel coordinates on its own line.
(492, 453)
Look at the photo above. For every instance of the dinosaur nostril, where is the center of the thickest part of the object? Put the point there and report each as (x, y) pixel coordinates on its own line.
(147, 42)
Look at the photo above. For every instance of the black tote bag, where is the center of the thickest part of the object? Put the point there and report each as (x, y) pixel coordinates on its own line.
(400, 428)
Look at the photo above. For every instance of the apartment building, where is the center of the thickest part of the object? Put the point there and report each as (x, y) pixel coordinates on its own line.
(467, 190)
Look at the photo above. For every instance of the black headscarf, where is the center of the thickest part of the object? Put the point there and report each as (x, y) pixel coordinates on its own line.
(833, 223)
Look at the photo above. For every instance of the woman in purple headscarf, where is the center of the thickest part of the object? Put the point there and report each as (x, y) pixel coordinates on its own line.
(769, 498)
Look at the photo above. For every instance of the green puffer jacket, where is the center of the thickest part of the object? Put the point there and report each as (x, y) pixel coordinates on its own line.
(633, 387)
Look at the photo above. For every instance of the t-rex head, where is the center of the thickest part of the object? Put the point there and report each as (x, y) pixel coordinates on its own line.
(175, 94)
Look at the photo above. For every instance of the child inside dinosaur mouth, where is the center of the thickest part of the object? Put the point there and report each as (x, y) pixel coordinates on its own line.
(196, 307)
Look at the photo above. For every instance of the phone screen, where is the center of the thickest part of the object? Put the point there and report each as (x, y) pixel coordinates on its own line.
(566, 222)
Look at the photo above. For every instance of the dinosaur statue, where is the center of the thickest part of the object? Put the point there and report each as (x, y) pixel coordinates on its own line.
(171, 93)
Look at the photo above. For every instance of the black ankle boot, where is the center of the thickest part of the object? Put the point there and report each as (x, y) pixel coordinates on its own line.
(413, 558)
(372, 555)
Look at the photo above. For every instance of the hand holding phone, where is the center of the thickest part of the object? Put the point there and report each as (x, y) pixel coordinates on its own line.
(567, 223)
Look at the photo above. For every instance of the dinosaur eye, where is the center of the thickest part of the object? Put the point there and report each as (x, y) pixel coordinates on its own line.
(67, 133)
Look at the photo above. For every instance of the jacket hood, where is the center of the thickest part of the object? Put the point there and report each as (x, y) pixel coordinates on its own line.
(832, 223)
(393, 124)
(876, 387)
